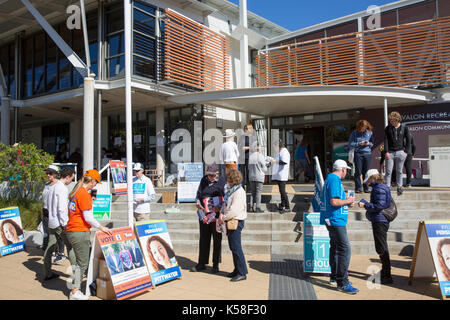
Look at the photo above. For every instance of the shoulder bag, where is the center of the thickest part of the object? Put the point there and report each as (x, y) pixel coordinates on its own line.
(232, 224)
(391, 212)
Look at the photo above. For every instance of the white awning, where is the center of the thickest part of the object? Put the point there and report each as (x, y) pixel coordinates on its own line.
(292, 100)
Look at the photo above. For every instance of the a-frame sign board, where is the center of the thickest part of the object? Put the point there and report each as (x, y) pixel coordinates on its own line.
(432, 245)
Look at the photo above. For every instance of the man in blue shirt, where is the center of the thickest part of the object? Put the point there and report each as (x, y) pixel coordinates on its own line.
(334, 214)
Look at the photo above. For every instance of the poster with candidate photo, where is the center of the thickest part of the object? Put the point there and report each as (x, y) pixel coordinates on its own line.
(12, 239)
(189, 177)
(125, 262)
(119, 176)
(158, 251)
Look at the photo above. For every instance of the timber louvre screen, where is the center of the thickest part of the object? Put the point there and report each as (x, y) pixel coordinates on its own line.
(195, 55)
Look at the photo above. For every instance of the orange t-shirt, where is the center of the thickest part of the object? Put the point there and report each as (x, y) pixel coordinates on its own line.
(81, 201)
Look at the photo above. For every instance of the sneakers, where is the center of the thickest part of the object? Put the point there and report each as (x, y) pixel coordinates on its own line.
(215, 269)
(348, 289)
(408, 185)
(399, 191)
(333, 283)
(285, 210)
(258, 210)
(78, 296)
(198, 267)
(59, 259)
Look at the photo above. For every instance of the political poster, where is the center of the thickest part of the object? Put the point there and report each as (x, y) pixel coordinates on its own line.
(318, 186)
(12, 239)
(119, 176)
(102, 207)
(316, 244)
(431, 259)
(189, 176)
(158, 251)
(125, 262)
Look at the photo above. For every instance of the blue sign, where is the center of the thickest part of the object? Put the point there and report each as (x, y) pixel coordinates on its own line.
(316, 244)
(12, 237)
(189, 177)
(318, 186)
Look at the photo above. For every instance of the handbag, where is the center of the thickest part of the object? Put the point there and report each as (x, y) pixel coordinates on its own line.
(390, 213)
(351, 155)
(232, 224)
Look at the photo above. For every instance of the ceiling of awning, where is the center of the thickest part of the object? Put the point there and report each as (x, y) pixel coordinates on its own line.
(292, 100)
(15, 18)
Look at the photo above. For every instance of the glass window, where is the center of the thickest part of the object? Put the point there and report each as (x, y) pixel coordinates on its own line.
(52, 76)
(144, 46)
(116, 44)
(27, 84)
(144, 7)
(78, 48)
(344, 28)
(39, 61)
(114, 20)
(116, 66)
(65, 67)
(423, 11)
(278, 121)
(311, 36)
(143, 22)
(4, 62)
(144, 67)
(444, 8)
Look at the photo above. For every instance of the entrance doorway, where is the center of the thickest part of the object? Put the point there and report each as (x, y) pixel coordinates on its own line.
(314, 140)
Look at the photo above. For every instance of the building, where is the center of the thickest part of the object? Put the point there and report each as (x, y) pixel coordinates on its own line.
(185, 65)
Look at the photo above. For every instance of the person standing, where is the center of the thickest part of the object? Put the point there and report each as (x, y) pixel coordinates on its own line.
(248, 141)
(380, 198)
(281, 174)
(211, 185)
(229, 153)
(301, 158)
(256, 173)
(143, 193)
(235, 207)
(78, 228)
(334, 214)
(408, 162)
(52, 173)
(397, 143)
(361, 139)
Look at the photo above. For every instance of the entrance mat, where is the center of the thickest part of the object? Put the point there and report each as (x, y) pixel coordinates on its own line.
(286, 279)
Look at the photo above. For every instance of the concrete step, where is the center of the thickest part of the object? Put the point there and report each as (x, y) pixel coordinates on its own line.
(407, 214)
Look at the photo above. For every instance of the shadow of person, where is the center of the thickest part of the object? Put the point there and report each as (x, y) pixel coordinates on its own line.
(185, 263)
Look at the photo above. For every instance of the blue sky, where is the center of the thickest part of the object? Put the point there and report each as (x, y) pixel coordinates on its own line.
(297, 14)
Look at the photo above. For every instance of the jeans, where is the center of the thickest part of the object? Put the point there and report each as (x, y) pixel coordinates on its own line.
(56, 236)
(284, 197)
(234, 241)
(398, 158)
(255, 196)
(206, 230)
(340, 253)
(380, 230)
(81, 244)
(362, 164)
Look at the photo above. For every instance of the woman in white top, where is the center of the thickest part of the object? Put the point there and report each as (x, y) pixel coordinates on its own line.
(281, 174)
(235, 207)
(229, 153)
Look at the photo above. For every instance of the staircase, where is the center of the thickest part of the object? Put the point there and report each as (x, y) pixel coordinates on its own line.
(274, 233)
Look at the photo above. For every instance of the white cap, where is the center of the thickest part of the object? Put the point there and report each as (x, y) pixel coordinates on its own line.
(138, 166)
(340, 164)
(229, 133)
(370, 173)
(52, 168)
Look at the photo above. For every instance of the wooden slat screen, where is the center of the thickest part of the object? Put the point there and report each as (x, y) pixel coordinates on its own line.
(414, 55)
(195, 55)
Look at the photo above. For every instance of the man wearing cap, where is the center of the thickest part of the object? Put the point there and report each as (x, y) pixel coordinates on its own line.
(143, 193)
(52, 175)
(229, 153)
(212, 185)
(334, 213)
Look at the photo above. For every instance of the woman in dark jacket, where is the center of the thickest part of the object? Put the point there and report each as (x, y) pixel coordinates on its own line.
(380, 198)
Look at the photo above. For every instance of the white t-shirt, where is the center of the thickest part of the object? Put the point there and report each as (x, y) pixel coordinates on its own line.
(57, 203)
(229, 152)
(142, 189)
(281, 172)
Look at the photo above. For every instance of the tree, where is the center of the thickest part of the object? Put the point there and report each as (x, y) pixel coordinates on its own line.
(23, 170)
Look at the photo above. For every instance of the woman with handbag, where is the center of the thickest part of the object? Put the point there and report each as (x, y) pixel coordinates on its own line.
(380, 199)
(234, 214)
(361, 140)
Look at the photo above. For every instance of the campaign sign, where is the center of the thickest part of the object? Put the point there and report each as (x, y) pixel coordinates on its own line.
(119, 175)
(189, 176)
(316, 244)
(12, 233)
(102, 207)
(158, 251)
(438, 233)
(318, 186)
(125, 262)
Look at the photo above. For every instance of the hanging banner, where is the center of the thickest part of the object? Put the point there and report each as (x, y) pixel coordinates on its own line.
(121, 251)
(316, 244)
(158, 251)
(189, 176)
(119, 176)
(12, 239)
(102, 207)
(318, 186)
(431, 257)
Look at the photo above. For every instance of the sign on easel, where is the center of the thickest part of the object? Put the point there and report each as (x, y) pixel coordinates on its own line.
(189, 177)
(12, 239)
(431, 258)
(119, 175)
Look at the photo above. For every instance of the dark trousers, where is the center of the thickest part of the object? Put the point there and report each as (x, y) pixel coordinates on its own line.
(340, 254)
(234, 241)
(380, 230)
(408, 168)
(284, 197)
(362, 164)
(206, 230)
(244, 170)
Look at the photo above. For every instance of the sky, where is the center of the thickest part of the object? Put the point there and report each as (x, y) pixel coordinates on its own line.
(298, 14)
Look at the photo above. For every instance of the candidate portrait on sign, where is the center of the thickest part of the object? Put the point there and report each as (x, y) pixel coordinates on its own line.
(160, 253)
(11, 232)
(443, 254)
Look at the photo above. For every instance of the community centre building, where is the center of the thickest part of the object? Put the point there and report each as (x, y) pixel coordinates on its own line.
(212, 64)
